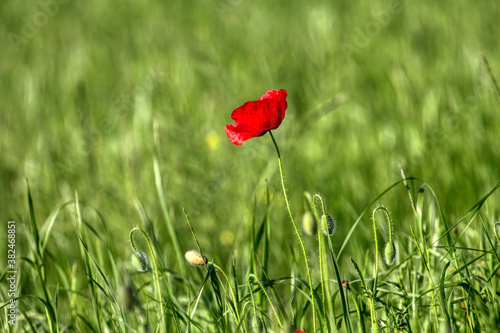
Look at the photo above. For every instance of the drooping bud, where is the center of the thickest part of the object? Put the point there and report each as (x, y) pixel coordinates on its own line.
(328, 225)
(139, 261)
(390, 253)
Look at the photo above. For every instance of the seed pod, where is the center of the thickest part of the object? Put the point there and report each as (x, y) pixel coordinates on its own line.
(390, 253)
(139, 261)
(309, 224)
(328, 225)
(195, 258)
(257, 324)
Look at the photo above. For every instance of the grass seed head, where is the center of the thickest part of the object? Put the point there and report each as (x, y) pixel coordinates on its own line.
(257, 324)
(194, 258)
(390, 253)
(140, 261)
(328, 225)
(309, 224)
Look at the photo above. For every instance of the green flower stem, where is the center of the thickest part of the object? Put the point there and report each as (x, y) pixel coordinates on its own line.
(321, 245)
(311, 288)
(254, 304)
(236, 314)
(375, 278)
(389, 225)
(265, 293)
(155, 268)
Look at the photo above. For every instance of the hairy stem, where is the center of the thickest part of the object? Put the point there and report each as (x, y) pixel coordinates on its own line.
(311, 288)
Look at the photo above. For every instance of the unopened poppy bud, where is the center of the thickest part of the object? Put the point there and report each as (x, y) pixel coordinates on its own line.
(328, 225)
(309, 224)
(195, 258)
(390, 253)
(496, 229)
(140, 261)
(257, 324)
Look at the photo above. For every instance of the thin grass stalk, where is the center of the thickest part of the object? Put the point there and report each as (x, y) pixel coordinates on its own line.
(424, 253)
(86, 262)
(163, 203)
(361, 326)
(235, 304)
(266, 294)
(156, 273)
(195, 238)
(345, 311)
(233, 295)
(50, 310)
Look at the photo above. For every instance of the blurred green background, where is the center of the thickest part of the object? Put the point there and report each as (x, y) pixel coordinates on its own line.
(371, 85)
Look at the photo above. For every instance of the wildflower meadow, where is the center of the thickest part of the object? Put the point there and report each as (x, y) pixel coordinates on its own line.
(249, 166)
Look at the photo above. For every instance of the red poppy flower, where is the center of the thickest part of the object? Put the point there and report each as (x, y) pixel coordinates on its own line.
(256, 118)
(299, 330)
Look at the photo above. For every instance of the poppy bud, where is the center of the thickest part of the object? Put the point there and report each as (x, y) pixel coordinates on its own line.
(257, 324)
(390, 253)
(139, 261)
(194, 258)
(309, 224)
(328, 225)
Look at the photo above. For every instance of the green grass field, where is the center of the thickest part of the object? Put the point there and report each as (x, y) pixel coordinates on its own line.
(112, 122)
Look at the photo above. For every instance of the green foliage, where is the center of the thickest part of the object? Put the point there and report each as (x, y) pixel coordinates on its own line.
(114, 114)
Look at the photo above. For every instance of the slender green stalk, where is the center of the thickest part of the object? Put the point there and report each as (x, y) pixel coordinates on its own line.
(361, 326)
(194, 236)
(265, 293)
(311, 288)
(166, 213)
(254, 303)
(236, 314)
(156, 272)
(373, 314)
(375, 279)
(322, 249)
(343, 298)
(86, 261)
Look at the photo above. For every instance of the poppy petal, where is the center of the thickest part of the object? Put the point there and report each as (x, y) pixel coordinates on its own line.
(257, 117)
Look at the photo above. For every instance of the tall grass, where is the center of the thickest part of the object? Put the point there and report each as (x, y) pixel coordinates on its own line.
(115, 115)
